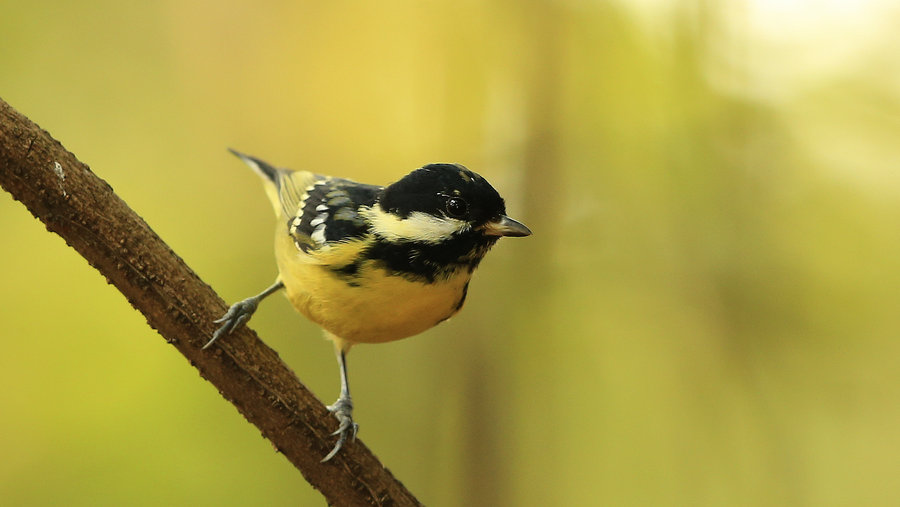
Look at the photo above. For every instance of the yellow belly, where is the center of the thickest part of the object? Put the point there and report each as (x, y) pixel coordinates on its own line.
(378, 308)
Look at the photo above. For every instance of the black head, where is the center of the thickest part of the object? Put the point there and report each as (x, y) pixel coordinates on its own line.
(444, 191)
(438, 202)
(437, 220)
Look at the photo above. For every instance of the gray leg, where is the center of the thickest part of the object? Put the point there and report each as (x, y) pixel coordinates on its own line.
(240, 312)
(342, 408)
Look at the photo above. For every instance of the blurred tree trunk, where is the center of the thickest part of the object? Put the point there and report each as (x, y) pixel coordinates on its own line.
(490, 451)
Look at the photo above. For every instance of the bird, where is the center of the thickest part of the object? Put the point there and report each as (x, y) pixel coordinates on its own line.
(374, 264)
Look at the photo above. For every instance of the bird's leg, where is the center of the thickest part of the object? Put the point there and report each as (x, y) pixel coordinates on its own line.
(240, 312)
(342, 408)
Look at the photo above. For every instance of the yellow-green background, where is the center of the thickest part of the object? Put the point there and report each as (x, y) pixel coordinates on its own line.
(706, 314)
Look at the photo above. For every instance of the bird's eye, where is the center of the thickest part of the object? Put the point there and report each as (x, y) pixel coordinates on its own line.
(457, 207)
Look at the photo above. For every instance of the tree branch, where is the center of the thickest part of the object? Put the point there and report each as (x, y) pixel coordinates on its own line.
(63, 193)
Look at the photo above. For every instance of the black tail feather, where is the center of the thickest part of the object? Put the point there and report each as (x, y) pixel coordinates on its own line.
(263, 168)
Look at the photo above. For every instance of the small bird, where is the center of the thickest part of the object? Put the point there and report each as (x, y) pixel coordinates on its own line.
(373, 264)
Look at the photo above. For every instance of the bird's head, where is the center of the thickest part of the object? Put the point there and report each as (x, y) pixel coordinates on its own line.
(439, 203)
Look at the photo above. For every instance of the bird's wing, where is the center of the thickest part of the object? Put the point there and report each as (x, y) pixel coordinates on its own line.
(324, 210)
(318, 209)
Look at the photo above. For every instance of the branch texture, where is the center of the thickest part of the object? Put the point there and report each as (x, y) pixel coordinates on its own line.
(63, 193)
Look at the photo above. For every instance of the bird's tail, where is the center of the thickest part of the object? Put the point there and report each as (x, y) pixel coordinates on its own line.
(261, 167)
(285, 188)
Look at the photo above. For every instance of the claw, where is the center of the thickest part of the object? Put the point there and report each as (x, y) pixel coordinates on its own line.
(342, 410)
(234, 318)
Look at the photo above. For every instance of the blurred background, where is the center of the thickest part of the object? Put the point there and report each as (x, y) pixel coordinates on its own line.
(706, 314)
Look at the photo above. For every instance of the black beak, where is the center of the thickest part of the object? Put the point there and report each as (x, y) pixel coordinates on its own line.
(505, 226)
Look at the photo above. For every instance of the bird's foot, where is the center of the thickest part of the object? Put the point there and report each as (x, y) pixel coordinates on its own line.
(342, 410)
(234, 318)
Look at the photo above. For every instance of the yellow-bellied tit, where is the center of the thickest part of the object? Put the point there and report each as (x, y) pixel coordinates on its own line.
(372, 264)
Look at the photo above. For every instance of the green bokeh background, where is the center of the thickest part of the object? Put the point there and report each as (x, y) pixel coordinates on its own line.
(707, 313)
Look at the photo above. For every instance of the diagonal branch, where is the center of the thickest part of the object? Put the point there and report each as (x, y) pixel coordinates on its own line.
(63, 193)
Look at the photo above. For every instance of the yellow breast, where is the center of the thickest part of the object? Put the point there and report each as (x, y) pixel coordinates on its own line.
(370, 307)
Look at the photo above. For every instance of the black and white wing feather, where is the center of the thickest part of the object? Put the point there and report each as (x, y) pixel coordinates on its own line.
(329, 211)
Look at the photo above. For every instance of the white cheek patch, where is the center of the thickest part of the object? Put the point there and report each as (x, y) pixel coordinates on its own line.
(418, 226)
